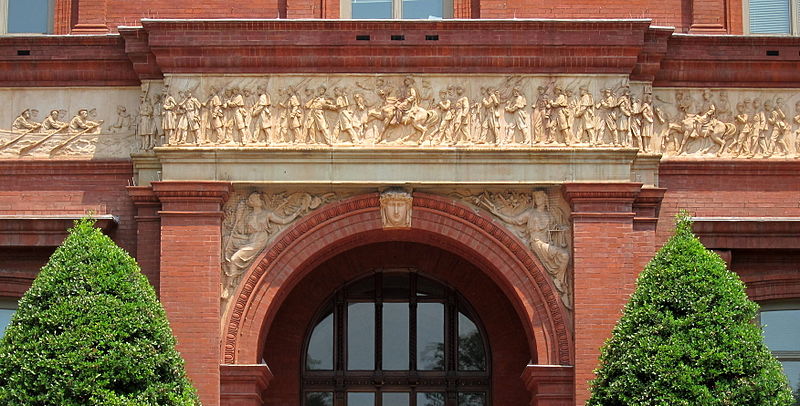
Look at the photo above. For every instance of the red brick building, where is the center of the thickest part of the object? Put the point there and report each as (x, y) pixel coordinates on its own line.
(443, 212)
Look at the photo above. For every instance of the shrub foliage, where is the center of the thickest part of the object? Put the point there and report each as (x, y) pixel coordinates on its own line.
(687, 337)
(90, 331)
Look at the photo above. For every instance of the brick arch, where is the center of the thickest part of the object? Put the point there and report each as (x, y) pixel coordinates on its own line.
(438, 221)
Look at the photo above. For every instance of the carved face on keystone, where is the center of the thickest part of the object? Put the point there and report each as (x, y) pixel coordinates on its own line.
(396, 209)
(396, 212)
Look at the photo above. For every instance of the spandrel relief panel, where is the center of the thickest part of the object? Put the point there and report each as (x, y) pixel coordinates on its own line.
(254, 218)
(416, 111)
(540, 218)
(69, 123)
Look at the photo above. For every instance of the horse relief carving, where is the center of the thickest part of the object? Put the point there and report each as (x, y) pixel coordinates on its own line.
(503, 112)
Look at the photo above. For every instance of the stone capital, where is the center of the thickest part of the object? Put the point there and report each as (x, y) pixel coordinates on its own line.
(602, 200)
(550, 385)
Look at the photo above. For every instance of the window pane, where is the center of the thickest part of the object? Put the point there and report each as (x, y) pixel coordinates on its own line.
(29, 16)
(360, 399)
(319, 399)
(372, 9)
(320, 347)
(361, 336)
(422, 9)
(396, 399)
(430, 336)
(770, 17)
(5, 319)
(430, 399)
(471, 355)
(395, 336)
(781, 329)
(471, 399)
(792, 371)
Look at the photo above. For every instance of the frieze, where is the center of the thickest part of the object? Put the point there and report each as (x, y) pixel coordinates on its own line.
(68, 123)
(288, 111)
(541, 220)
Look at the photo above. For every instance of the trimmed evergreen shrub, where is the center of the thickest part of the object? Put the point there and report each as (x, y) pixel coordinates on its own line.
(90, 331)
(687, 337)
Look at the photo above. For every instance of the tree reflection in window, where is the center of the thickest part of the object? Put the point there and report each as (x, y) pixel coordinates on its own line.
(396, 337)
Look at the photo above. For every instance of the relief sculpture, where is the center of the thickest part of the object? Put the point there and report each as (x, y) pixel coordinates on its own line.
(251, 222)
(498, 112)
(537, 219)
(53, 137)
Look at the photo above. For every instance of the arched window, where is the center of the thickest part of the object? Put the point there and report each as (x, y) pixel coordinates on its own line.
(396, 338)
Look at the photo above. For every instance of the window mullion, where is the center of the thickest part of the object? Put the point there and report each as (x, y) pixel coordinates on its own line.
(397, 9)
(379, 322)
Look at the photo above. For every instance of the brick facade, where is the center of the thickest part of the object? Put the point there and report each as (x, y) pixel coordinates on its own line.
(542, 352)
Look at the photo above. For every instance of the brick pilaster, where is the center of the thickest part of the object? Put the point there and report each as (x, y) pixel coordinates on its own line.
(148, 231)
(191, 219)
(605, 261)
(550, 385)
(244, 385)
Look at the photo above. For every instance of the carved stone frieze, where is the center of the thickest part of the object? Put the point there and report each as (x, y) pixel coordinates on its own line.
(540, 219)
(727, 123)
(475, 111)
(67, 123)
(251, 221)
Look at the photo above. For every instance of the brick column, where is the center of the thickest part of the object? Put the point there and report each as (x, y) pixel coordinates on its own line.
(550, 385)
(191, 219)
(148, 231)
(604, 262)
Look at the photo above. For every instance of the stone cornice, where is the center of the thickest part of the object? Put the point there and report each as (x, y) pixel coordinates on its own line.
(465, 46)
(68, 60)
(706, 167)
(627, 47)
(730, 61)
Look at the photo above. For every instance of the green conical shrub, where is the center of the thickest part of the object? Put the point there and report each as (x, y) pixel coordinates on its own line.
(90, 331)
(687, 337)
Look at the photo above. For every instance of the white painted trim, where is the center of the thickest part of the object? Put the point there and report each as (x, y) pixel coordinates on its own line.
(3, 16)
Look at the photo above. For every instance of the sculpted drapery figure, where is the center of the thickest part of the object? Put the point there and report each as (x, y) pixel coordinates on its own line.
(147, 127)
(346, 124)
(518, 128)
(169, 119)
(545, 230)
(559, 108)
(189, 122)
(262, 118)
(444, 133)
(586, 131)
(607, 118)
(491, 122)
(255, 221)
(541, 116)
